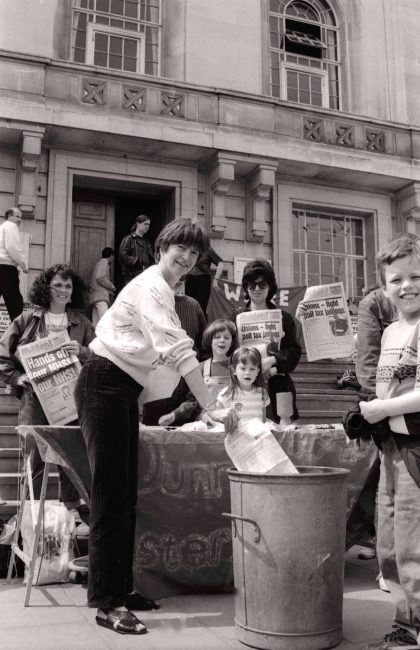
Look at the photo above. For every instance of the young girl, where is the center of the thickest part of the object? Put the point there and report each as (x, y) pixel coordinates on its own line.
(219, 340)
(247, 393)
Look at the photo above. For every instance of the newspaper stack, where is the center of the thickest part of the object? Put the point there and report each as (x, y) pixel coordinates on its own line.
(252, 448)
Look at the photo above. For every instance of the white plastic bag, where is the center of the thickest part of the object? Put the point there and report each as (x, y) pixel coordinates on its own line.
(56, 546)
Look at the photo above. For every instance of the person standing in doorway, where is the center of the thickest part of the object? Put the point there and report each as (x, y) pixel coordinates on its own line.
(101, 286)
(11, 259)
(198, 282)
(136, 253)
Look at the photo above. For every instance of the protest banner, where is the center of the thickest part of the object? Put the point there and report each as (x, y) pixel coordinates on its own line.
(326, 325)
(226, 296)
(53, 373)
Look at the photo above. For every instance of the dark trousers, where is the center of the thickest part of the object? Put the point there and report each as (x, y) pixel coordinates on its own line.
(9, 289)
(106, 400)
(199, 287)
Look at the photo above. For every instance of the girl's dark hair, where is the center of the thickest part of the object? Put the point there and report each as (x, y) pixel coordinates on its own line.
(214, 328)
(259, 269)
(40, 290)
(182, 231)
(243, 355)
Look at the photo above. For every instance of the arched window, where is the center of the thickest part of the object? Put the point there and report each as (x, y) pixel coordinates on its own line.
(304, 52)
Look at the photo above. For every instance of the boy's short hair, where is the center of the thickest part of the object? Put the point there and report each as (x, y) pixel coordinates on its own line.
(401, 245)
(107, 252)
(214, 328)
(182, 231)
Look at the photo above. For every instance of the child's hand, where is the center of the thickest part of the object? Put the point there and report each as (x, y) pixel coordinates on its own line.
(231, 421)
(373, 411)
(267, 366)
(166, 420)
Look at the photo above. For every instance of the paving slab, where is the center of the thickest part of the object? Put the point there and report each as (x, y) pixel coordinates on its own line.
(58, 618)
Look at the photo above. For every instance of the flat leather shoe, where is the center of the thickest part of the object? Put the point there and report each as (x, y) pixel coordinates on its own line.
(123, 622)
(140, 603)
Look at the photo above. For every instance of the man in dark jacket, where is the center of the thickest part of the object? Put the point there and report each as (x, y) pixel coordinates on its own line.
(136, 253)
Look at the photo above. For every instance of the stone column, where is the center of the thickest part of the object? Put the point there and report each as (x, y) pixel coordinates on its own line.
(221, 175)
(407, 202)
(259, 186)
(30, 152)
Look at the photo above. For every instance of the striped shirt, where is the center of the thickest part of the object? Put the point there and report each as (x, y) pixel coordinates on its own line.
(247, 403)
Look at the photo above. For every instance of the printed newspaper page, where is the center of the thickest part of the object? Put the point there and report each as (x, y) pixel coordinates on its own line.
(253, 448)
(258, 328)
(326, 324)
(53, 373)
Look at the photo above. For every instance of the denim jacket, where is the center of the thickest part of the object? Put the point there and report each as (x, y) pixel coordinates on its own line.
(24, 330)
(374, 314)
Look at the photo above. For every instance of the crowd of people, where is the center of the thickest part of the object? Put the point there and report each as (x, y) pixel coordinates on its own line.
(151, 325)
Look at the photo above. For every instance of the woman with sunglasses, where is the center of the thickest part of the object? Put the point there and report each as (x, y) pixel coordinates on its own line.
(260, 286)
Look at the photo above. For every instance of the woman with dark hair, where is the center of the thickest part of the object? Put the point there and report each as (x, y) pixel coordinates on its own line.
(138, 333)
(260, 286)
(54, 292)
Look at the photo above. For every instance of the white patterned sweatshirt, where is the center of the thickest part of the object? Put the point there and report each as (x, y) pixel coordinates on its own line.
(141, 330)
(398, 369)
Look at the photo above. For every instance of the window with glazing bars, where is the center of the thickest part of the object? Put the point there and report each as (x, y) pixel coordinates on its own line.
(117, 34)
(329, 248)
(304, 52)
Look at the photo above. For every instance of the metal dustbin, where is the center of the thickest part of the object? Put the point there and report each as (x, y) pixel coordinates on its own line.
(288, 535)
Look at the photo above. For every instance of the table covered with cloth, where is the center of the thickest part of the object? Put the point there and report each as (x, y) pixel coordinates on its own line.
(183, 544)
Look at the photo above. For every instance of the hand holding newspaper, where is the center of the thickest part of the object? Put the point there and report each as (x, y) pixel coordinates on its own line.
(326, 324)
(53, 373)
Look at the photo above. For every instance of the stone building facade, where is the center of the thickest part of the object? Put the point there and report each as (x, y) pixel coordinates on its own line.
(289, 127)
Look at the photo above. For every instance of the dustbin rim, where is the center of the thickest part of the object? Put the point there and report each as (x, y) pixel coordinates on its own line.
(306, 471)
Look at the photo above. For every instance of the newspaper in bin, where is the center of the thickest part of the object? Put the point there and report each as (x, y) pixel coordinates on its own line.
(253, 448)
(53, 374)
(326, 324)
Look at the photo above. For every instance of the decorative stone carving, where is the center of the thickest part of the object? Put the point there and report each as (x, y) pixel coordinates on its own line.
(375, 141)
(312, 130)
(172, 104)
(407, 202)
(219, 180)
(30, 152)
(134, 98)
(259, 190)
(93, 91)
(344, 135)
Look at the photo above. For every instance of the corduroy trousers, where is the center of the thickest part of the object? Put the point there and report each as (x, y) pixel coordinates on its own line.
(106, 400)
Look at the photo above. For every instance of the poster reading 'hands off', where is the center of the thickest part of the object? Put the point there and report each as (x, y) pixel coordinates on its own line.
(53, 373)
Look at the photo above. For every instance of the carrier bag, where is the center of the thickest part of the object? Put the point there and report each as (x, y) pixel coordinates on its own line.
(56, 545)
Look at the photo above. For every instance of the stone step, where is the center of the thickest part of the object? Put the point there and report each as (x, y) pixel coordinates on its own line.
(10, 459)
(10, 481)
(8, 414)
(319, 417)
(8, 509)
(325, 402)
(8, 437)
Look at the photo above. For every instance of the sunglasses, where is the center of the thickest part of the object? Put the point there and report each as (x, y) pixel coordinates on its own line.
(257, 285)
